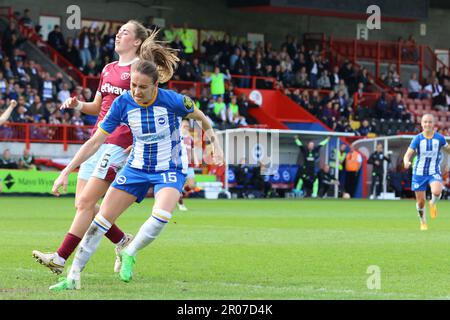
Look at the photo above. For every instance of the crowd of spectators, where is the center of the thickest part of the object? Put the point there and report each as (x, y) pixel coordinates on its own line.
(38, 93)
(335, 94)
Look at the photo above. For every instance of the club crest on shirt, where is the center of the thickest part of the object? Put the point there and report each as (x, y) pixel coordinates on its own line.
(125, 76)
(161, 121)
(188, 104)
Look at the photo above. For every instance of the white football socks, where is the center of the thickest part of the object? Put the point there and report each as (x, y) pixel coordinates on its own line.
(421, 213)
(88, 245)
(435, 199)
(149, 231)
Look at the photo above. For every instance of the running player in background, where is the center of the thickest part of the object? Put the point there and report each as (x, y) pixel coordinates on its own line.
(188, 141)
(157, 159)
(133, 42)
(426, 171)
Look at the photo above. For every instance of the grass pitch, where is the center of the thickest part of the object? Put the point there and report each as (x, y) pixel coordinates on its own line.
(241, 249)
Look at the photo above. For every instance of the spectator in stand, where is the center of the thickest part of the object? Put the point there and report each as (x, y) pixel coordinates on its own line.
(257, 65)
(26, 19)
(33, 74)
(233, 113)
(225, 50)
(365, 128)
(183, 70)
(72, 54)
(442, 76)
(108, 43)
(220, 110)
(21, 114)
(38, 111)
(77, 121)
(324, 81)
(6, 162)
(197, 70)
(301, 78)
(314, 71)
(381, 108)
(91, 69)
(64, 93)
(234, 57)
(212, 51)
(48, 89)
(3, 84)
(398, 108)
(178, 45)
(56, 39)
(84, 43)
(300, 62)
(244, 105)
(434, 89)
(26, 161)
(86, 95)
(346, 72)
(170, 33)
(242, 68)
(10, 40)
(8, 70)
(97, 53)
(335, 79)
(411, 49)
(21, 73)
(188, 38)
(217, 80)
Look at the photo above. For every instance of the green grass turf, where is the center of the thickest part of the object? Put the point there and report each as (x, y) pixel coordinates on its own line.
(267, 249)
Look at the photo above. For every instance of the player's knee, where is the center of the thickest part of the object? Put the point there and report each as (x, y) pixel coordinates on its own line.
(421, 203)
(85, 203)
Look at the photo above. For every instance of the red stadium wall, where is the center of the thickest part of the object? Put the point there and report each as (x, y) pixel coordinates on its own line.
(277, 108)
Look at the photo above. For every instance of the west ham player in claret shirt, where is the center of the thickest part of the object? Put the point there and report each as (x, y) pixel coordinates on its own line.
(133, 42)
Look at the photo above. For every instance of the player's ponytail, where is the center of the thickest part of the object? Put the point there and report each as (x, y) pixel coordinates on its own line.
(155, 51)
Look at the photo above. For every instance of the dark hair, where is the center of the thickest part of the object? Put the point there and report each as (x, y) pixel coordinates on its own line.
(147, 68)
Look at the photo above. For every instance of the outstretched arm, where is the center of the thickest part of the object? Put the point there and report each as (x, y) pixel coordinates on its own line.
(298, 142)
(85, 152)
(92, 108)
(324, 142)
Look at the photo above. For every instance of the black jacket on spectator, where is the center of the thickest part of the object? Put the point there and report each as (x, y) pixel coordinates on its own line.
(56, 40)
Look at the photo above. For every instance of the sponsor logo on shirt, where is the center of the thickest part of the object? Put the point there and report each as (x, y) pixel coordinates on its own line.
(154, 137)
(108, 88)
